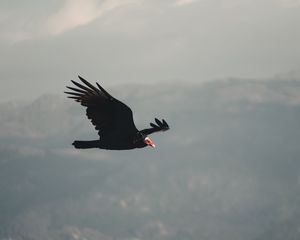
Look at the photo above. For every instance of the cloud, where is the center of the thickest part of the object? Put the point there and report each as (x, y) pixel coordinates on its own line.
(70, 15)
(79, 13)
(179, 3)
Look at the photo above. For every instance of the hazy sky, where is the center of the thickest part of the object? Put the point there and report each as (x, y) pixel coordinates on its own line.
(45, 43)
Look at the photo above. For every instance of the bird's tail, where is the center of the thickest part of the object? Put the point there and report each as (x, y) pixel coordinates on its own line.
(86, 144)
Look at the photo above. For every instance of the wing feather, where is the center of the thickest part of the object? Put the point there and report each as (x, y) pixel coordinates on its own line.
(104, 91)
(88, 84)
(159, 123)
(88, 90)
(161, 126)
(74, 93)
(110, 116)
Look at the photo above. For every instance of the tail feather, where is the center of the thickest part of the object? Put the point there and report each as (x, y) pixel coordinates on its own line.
(86, 144)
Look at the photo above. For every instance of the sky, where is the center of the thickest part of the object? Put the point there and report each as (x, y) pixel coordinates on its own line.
(230, 159)
(44, 44)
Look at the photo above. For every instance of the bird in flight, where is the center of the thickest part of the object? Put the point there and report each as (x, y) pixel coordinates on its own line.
(112, 119)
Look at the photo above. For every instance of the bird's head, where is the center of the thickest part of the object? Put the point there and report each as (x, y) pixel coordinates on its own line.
(149, 142)
(142, 140)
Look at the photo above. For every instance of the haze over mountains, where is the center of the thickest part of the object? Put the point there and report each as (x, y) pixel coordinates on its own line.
(227, 169)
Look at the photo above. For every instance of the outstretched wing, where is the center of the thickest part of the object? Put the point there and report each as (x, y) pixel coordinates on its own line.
(109, 115)
(159, 126)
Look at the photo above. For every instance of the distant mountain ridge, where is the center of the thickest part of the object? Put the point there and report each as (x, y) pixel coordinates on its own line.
(227, 169)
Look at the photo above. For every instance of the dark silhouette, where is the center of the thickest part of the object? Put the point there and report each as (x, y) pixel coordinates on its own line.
(112, 118)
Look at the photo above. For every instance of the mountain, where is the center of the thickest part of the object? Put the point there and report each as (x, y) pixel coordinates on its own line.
(227, 169)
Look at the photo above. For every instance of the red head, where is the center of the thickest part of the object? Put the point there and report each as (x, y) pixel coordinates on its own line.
(149, 142)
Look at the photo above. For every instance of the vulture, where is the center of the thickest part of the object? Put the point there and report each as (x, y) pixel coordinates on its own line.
(112, 119)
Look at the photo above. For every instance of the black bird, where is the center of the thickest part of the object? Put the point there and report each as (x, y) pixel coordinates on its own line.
(112, 118)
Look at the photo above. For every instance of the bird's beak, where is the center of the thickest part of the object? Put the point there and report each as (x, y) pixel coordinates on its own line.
(149, 142)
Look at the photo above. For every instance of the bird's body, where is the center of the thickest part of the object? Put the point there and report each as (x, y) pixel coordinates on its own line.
(112, 118)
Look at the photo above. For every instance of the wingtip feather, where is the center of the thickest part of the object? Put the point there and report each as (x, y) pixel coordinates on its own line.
(104, 91)
(159, 123)
(92, 87)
